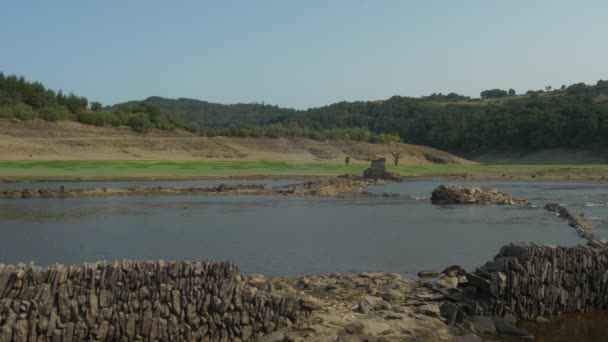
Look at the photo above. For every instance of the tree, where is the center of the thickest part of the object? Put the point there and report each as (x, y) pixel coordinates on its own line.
(512, 92)
(396, 154)
(493, 93)
(96, 106)
(548, 88)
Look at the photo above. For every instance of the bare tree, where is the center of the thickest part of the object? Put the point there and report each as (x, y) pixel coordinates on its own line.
(396, 155)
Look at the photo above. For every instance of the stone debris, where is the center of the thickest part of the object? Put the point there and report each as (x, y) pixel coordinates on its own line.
(371, 306)
(453, 194)
(331, 187)
(583, 228)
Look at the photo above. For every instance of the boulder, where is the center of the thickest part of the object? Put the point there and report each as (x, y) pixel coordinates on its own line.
(453, 194)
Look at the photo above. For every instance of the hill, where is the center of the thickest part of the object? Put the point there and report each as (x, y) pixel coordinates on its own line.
(573, 117)
(67, 140)
(213, 115)
(499, 123)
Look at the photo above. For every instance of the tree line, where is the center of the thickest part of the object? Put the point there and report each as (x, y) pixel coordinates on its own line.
(24, 100)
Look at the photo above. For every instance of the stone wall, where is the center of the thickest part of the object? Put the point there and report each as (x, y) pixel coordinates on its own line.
(529, 280)
(138, 300)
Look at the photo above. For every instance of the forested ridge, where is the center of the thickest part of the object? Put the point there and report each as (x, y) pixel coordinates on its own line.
(574, 116)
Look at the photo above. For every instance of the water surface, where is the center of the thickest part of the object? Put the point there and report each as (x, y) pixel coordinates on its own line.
(277, 235)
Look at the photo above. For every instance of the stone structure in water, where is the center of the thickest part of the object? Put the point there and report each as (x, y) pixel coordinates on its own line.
(378, 171)
(529, 280)
(138, 300)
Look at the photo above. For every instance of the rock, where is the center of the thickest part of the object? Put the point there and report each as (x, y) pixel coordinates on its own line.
(454, 271)
(467, 338)
(427, 274)
(541, 319)
(484, 324)
(311, 303)
(246, 332)
(451, 194)
(257, 280)
(376, 328)
(448, 282)
(452, 313)
(354, 328)
(429, 309)
(391, 294)
(504, 326)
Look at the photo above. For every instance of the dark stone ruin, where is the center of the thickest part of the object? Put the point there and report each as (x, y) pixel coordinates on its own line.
(528, 281)
(181, 301)
(378, 171)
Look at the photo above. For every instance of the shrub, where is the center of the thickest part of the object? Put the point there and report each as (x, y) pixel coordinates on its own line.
(162, 122)
(92, 118)
(140, 123)
(24, 112)
(55, 113)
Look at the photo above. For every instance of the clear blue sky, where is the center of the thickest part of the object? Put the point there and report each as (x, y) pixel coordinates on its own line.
(301, 53)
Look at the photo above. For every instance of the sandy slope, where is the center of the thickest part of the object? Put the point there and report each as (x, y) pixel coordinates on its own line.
(42, 140)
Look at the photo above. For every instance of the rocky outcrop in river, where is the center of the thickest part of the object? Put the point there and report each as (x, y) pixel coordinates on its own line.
(583, 228)
(331, 187)
(453, 194)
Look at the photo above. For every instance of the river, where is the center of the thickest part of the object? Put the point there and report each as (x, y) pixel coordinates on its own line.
(288, 236)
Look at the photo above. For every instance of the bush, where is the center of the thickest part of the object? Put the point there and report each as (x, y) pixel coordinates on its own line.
(140, 123)
(55, 113)
(92, 118)
(162, 122)
(24, 112)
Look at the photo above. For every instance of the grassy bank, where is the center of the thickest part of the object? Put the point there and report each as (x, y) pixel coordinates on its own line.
(122, 170)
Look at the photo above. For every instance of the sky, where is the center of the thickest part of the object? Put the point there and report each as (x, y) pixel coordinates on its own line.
(301, 54)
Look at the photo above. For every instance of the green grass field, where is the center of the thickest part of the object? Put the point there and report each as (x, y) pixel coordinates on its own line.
(117, 170)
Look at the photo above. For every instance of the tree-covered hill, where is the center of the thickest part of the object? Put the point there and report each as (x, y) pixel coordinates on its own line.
(574, 116)
(568, 117)
(215, 115)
